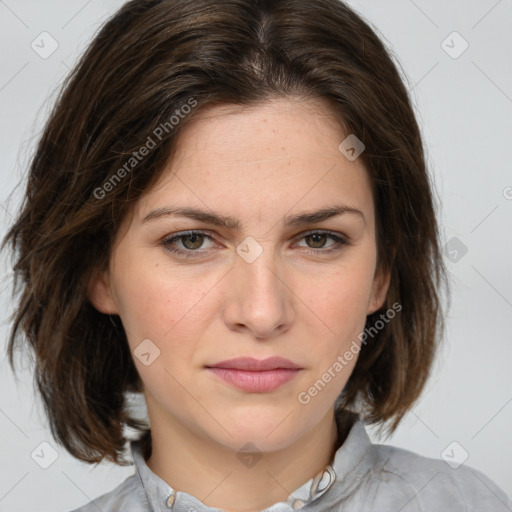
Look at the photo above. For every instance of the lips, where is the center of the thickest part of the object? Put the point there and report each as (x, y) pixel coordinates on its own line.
(253, 375)
(250, 364)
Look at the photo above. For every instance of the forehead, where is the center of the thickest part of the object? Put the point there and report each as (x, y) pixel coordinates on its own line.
(270, 156)
(276, 128)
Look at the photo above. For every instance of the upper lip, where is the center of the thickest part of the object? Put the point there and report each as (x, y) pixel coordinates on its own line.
(251, 364)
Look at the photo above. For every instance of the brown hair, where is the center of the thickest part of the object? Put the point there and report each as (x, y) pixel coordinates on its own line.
(147, 62)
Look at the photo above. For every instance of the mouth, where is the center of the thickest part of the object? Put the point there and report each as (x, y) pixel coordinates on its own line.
(255, 376)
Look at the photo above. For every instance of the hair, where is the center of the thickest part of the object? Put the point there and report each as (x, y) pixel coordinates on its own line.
(145, 64)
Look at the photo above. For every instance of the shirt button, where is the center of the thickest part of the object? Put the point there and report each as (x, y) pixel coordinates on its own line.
(326, 481)
(297, 504)
(169, 502)
(322, 482)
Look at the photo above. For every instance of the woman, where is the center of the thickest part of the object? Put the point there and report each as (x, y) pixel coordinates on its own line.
(229, 212)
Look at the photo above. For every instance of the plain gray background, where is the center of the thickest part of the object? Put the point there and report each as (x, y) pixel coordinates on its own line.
(463, 101)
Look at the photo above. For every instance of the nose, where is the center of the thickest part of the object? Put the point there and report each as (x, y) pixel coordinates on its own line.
(260, 301)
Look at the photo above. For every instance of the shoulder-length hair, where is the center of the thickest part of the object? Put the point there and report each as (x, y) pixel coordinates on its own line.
(149, 70)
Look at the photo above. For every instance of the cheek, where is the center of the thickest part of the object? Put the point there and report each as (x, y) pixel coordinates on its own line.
(158, 304)
(167, 310)
(341, 301)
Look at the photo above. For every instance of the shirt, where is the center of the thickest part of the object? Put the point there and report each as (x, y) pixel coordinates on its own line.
(362, 477)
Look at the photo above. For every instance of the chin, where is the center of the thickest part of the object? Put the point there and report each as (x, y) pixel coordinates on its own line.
(268, 429)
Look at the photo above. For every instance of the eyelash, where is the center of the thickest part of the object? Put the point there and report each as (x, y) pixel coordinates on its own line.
(190, 253)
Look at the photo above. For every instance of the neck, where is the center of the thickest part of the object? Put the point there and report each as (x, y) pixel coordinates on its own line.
(213, 474)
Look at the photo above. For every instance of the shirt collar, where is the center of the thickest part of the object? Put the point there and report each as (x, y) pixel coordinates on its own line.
(350, 462)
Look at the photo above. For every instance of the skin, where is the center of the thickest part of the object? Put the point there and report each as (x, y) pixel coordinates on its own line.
(258, 165)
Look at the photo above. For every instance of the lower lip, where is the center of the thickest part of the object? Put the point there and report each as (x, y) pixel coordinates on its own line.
(256, 381)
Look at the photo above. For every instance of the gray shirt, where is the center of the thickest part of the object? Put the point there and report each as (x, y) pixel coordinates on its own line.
(362, 477)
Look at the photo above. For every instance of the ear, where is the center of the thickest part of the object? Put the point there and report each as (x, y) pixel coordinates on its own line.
(100, 293)
(380, 288)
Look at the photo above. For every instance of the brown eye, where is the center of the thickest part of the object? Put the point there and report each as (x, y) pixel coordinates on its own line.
(192, 241)
(189, 244)
(322, 242)
(318, 240)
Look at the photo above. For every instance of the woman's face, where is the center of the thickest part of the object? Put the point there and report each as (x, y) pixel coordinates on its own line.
(275, 280)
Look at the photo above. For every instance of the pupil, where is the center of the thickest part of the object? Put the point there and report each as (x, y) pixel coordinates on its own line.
(194, 237)
(315, 238)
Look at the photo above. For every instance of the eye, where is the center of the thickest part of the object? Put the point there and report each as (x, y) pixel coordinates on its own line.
(192, 243)
(316, 240)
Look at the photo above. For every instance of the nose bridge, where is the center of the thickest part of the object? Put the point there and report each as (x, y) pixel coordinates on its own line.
(257, 268)
(261, 300)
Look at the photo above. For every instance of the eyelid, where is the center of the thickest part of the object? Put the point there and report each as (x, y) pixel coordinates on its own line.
(211, 234)
(181, 234)
(323, 232)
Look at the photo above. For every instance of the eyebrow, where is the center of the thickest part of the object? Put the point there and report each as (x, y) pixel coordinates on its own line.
(311, 217)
